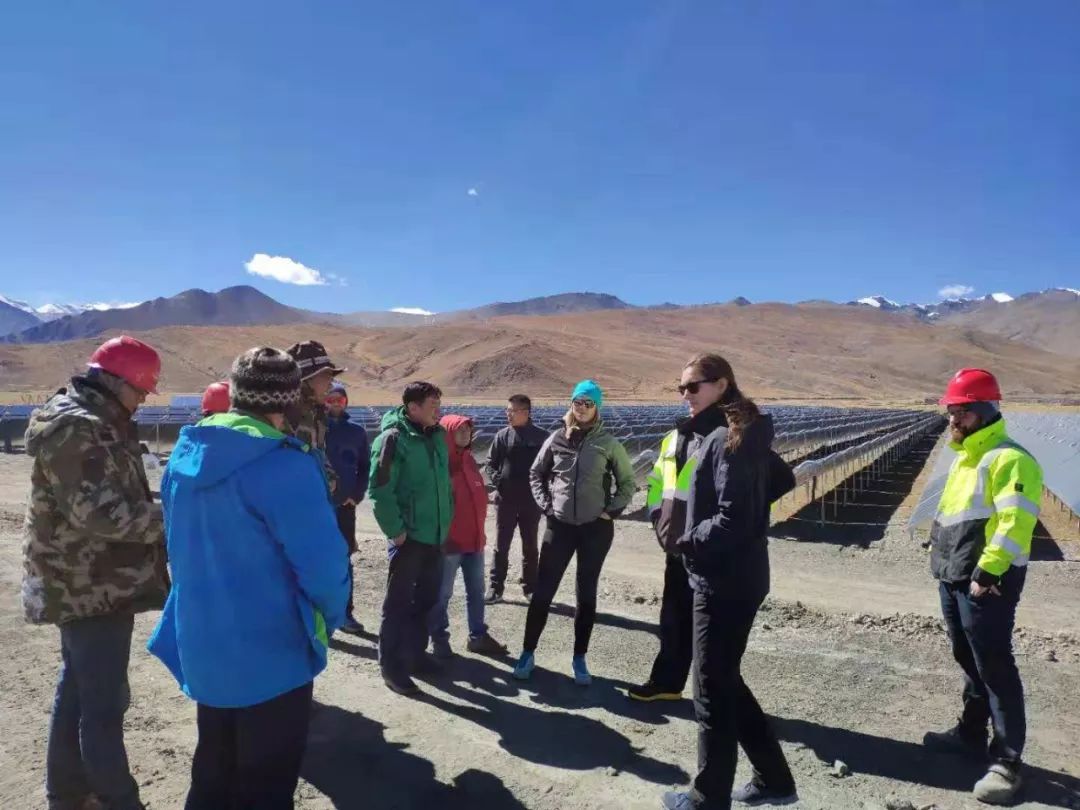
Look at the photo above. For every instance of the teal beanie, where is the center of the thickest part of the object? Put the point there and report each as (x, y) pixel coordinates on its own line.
(587, 389)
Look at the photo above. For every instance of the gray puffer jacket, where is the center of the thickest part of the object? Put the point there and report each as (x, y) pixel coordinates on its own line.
(573, 478)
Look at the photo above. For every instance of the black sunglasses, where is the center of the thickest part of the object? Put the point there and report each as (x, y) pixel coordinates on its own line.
(695, 386)
(584, 403)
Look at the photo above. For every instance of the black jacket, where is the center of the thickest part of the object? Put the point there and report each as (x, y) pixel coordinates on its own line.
(511, 456)
(725, 546)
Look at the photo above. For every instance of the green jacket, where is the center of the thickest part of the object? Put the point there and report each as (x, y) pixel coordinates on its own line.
(409, 483)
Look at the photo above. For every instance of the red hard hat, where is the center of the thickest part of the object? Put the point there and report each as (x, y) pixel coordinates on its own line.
(971, 385)
(129, 359)
(216, 398)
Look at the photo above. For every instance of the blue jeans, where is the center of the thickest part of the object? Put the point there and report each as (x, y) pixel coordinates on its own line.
(86, 751)
(472, 571)
(981, 634)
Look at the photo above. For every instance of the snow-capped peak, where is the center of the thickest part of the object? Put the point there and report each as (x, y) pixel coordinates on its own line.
(11, 302)
(51, 312)
(1068, 289)
(1002, 298)
(878, 302)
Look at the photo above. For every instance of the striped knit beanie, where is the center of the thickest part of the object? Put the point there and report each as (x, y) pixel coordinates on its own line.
(265, 380)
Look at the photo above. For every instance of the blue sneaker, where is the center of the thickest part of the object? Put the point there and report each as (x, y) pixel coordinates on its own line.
(524, 667)
(581, 672)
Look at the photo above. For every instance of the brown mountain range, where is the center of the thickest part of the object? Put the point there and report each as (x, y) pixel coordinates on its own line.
(804, 351)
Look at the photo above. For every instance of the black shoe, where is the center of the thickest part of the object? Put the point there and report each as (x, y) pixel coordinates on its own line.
(648, 692)
(957, 740)
(755, 792)
(402, 684)
(352, 627)
(493, 596)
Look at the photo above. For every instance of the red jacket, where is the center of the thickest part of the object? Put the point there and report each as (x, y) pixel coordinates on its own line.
(470, 493)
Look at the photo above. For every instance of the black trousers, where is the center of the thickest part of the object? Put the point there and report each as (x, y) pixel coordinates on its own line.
(591, 543)
(346, 521)
(412, 589)
(516, 510)
(250, 758)
(728, 714)
(981, 634)
(672, 665)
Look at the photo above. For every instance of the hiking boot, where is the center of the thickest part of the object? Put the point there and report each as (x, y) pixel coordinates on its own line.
(581, 671)
(755, 793)
(352, 627)
(957, 740)
(402, 684)
(493, 596)
(1000, 785)
(649, 691)
(524, 668)
(442, 650)
(678, 801)
(486, 645)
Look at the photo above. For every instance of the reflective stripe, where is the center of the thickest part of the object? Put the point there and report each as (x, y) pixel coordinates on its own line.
(1021, 561)
(974, 513)
(675, 495)
(1007, 543)
(982, 469)
(1019, 502)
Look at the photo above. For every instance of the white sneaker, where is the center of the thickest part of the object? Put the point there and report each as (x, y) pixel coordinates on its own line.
(999, 786)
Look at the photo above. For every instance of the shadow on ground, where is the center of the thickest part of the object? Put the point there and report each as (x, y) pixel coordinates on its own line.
(910, 762)
(351, 763)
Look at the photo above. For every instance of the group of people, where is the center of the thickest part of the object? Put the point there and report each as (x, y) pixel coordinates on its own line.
(248, 557)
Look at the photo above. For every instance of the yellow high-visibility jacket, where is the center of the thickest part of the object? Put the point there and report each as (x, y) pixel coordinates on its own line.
(988, 509)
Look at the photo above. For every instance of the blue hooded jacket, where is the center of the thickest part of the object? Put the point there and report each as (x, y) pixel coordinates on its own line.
(259, 577)
(349, 454)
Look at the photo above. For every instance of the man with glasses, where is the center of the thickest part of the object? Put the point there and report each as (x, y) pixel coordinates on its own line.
(980, 545)
(510, 458)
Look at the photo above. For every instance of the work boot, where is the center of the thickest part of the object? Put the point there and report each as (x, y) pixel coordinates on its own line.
(957, 740)
(352, 627)
(649, 691)
(402, 684)
(486, 645)
(1000, 785)
(756, 793)
(493, 596)
(441, 650)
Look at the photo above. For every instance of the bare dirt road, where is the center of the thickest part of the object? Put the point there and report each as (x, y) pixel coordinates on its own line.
(848, 655)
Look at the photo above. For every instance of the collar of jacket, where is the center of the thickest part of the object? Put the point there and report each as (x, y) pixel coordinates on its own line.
(96, 396)
(703, 423)
(987, 438)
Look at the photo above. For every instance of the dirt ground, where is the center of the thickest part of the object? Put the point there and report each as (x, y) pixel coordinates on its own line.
(848, 655)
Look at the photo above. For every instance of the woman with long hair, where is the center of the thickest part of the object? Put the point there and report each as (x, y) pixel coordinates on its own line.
(724, 547)
(582, 480)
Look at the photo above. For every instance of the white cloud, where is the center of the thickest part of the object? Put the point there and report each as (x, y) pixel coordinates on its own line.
(411, 311)
(286, 270)
(955, 291)
(473, 192)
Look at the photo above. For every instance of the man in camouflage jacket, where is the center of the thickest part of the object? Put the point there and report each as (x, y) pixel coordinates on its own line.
(94, 555)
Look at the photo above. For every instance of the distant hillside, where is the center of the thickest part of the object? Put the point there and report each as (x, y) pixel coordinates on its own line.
(813, 351)
(234, 306)
(14, 318)
(1050, 320)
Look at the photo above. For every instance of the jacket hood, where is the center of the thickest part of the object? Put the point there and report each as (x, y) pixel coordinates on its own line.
(759, 435)
(222, 444)
(450, 423)
(67, 406)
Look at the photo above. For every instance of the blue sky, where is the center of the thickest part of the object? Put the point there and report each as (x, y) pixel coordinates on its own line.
(659, 151)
